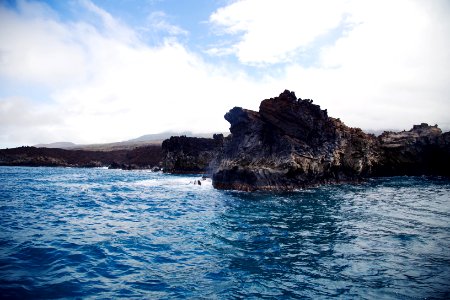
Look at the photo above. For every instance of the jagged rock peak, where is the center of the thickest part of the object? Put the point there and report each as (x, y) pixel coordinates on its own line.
(289, 143)
(292, 143)
(295, 117)
(287, 95)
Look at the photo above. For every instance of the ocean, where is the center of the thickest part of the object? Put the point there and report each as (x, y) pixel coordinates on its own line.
(113, 234)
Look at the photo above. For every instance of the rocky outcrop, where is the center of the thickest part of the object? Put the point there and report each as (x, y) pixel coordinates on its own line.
(138, 158)
(291, 143)
(421, 150)
(189, 155)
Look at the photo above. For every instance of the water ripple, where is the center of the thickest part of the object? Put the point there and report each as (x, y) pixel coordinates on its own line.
(94, 233)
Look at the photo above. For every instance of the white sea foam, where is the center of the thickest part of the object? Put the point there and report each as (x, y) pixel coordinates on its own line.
(175, 181)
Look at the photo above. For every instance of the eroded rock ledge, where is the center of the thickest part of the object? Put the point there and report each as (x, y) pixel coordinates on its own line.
(292, 143)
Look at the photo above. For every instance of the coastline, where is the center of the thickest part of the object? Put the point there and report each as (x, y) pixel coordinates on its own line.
(288, 144)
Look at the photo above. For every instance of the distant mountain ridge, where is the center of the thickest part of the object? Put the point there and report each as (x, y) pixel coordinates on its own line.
(167, 134)
(61, 145)
(144, 140)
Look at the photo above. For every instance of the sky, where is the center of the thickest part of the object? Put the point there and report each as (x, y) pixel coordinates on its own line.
(97, 71)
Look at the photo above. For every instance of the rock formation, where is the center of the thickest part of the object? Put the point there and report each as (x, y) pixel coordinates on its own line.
(421, 150)
(189, 155)
(291, 143)
(288, 144)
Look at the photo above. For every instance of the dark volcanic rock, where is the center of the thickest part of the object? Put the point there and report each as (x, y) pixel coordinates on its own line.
(423, 150)
(138, 158)
(291, 143)
(189, 154)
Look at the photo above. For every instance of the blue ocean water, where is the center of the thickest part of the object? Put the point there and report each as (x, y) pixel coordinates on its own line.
(100, 234)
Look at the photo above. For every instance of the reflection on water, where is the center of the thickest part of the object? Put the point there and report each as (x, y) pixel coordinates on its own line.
(113, 234)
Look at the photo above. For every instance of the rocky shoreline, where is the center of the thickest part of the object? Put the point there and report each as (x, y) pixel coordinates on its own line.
(288, 144)
(148, 157)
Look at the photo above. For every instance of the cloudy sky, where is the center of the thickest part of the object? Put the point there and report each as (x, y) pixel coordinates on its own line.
(91, 71)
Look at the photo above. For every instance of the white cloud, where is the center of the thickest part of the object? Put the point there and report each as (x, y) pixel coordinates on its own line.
(112, 27)
(383, 64)
(158, 21)
(273, 31)
(107, 87)
(388, 69)
(35, 48)
(23, 122)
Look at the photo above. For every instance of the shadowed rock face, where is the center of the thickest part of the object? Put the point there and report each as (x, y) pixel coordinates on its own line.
(291, 143)
(421, 150)
(191, 155)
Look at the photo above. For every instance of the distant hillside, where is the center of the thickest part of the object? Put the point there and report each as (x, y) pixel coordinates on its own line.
(166, 135)
(116, 146)
(61, 145)
(145, 140)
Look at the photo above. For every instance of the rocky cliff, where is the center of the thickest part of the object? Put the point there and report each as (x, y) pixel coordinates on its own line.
(189, 155)
(292, 143)
(422, 150)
